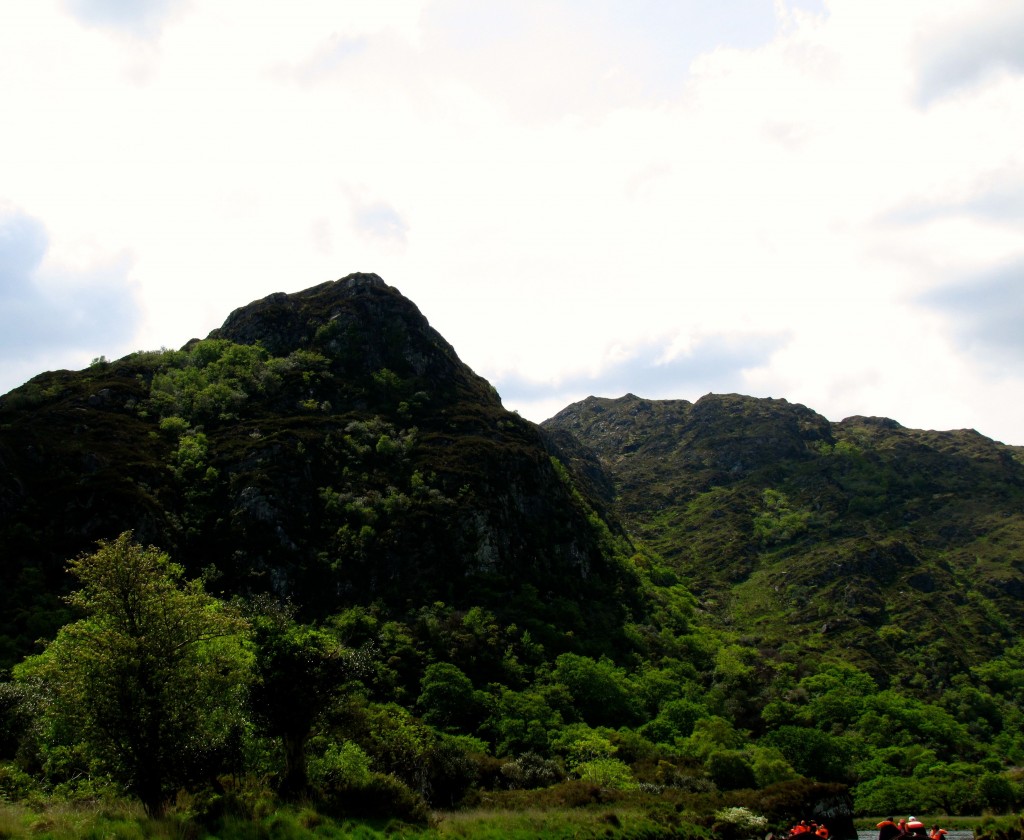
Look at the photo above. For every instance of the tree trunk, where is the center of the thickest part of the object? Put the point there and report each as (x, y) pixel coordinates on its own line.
(295, 782)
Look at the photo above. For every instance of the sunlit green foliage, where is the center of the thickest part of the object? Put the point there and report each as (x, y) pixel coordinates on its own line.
(777, 521)
(149, 686)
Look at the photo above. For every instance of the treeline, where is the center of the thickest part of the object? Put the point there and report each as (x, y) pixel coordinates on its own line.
(159, 687)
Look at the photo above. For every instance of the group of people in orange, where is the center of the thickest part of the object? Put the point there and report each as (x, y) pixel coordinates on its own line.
(910, 828)
(889, 829)
(809, 828)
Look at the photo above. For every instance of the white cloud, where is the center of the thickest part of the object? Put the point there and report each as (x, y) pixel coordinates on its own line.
(50, 311)
(570, 193)
(970, 43)
(143, 18)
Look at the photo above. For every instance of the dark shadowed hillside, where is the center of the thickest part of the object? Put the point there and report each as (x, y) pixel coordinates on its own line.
(328, 446)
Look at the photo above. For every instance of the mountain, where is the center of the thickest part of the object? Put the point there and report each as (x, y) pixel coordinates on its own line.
(330, 447)
(326, 446)
(899, 548)
(728, 602)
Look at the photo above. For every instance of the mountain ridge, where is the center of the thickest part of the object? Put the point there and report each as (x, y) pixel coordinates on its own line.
(832, 513)
(715, 598)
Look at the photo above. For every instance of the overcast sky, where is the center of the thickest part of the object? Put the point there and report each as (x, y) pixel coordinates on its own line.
(821, 200)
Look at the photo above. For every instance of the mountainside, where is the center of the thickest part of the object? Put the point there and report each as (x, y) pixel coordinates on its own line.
(327, 446)
(414, 596)
(903, 549)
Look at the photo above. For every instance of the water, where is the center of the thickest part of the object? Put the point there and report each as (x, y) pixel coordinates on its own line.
(950, 835)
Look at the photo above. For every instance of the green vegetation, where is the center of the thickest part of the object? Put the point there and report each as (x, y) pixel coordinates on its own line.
(776, 522)
(395, 609)
(146, 690)
(861, 588)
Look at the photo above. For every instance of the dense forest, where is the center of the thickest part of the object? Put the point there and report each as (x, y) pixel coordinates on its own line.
(311, 560)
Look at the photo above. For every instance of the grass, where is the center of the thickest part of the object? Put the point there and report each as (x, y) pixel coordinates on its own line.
(125, 821)
(582, 823)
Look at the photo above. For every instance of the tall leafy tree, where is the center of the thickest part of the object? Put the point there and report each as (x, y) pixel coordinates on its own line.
(300, 670)
(149, 685)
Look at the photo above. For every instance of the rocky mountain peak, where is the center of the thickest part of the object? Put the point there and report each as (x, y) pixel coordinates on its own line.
(362, 325)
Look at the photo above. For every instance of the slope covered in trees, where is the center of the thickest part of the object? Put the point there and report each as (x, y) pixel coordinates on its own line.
(901, 548)
(865, 580)
(733, 602)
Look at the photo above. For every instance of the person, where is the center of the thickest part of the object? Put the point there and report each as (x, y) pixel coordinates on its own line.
(916, 827)
(822, 832)
(937, 833)
(887, 829)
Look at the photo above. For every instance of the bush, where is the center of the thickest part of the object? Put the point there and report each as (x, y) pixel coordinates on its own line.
(15, 784)
(578, 794)
(1004, 828)
(675, 719)
(383, 795)
(609, 773)
(813, 753)
(996, 792)
(342, 764)
(531, 770)
(893, 794)
(738, 822)
(730, 770)
(451, 772)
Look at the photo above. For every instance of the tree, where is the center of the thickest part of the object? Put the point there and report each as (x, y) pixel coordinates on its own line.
(447, 700)
(996, 792)
(300, 671)
(601, 691)
(730, 769)
(813, 753)
(150, 684)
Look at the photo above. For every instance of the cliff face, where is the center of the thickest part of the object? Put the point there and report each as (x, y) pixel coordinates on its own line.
(327, 446)
(898, 547)
(362, 325)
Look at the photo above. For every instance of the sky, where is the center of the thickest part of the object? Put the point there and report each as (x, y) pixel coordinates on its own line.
(816, 200)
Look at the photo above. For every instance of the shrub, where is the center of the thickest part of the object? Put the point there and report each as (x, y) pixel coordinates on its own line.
(451, 772)
(739, 822)
(609, 773)
(342, 764)
(531, 770)
(15, 784)
(730, 770)
(174, 426)
(382, 795)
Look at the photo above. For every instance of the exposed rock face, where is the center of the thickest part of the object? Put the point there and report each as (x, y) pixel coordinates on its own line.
(360, 320)
(698, 444)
